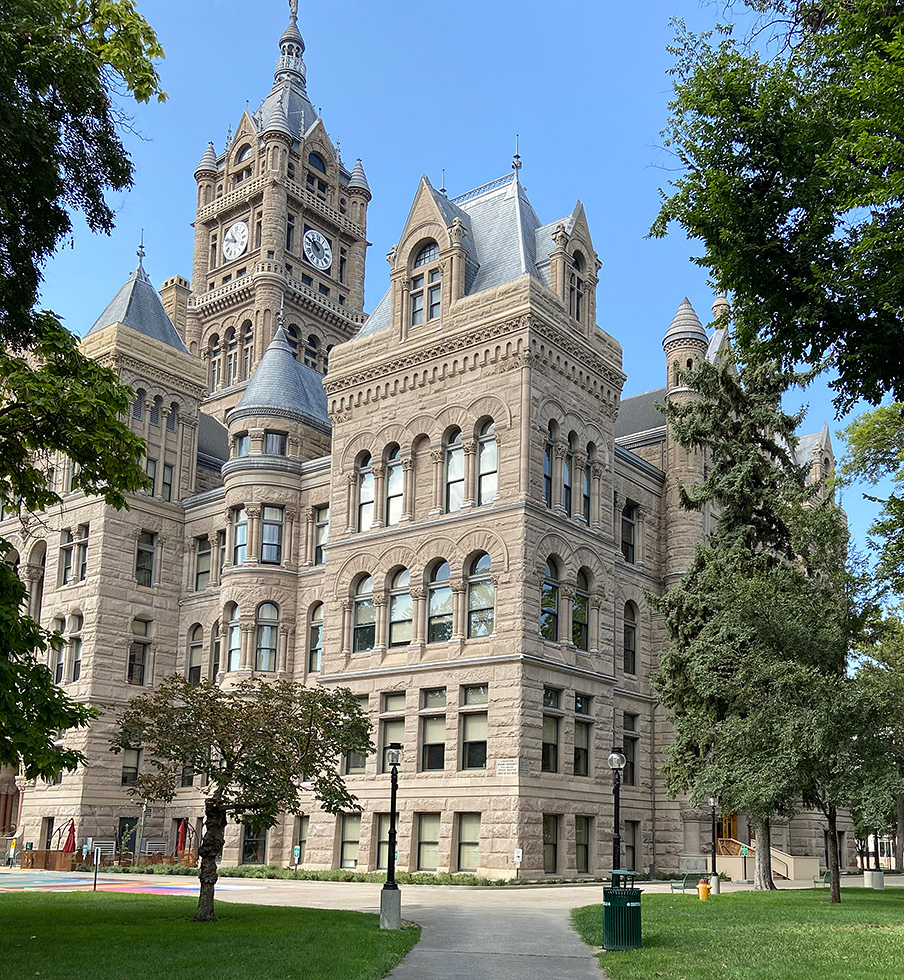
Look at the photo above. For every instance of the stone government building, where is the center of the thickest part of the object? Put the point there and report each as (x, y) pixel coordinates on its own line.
(446, 506)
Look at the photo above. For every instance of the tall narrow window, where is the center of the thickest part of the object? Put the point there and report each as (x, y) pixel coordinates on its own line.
(242, 444)
(586, 476)
(582, 844)
(547, 471)
(154, 414)
(630, 639)
(392, 729)
(427, 841)
(549, 603)
(215, 650)
(75, 644)
(364, 616)
(139, 651)
(247, 349)
(356, 762)
(167, 486)
(433, 729)
(74, 555)
(315, 638)
(487, 464)
(216, 362)
(550, 843)
(290, 232)
(267, 637)
(455, 472)
(321, 533)
(382, 841)
(474, 740)
(395, 485)
(232, 357)
(468, 841)
(144, 558)
(271, 535)
(234, 640)
(632, 840)
(580, 608)
(629, 776)
(351, 840)
(59, 653)
(195, 654)
(550, 746)
(400, 609)
(173, 417)
(567, 478)
(628, 522)
(365, 494)
(312, 345)
(582, 748)
(239, 535)
(481, 597)
(202, 563)
(439, 604)
(150, 469)
(254, 846)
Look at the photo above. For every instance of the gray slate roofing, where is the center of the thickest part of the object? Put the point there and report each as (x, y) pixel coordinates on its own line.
(283, 388)
(358, 177)
(213, 437)
(505, 239)
(138, 306)
(685, 325)
(639, 413)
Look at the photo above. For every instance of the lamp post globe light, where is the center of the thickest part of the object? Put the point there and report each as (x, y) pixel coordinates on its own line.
(714, 878)
(390, 896)
(616, 761)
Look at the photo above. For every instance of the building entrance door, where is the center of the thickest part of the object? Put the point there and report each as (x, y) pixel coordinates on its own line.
(727, 826)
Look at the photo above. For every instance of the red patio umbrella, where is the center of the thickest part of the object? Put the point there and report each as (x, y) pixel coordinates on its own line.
(180, 839)
(69, 846)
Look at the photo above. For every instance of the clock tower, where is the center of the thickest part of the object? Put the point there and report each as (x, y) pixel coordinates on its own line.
(280, 226)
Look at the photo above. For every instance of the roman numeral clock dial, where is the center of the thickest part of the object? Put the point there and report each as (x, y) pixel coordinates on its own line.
(235, 241)
(317, 249)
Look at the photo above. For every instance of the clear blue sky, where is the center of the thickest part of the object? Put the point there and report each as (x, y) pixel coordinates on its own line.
(412, 88)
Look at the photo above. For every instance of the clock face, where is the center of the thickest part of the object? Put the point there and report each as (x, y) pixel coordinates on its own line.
(236, 240)
(317, 249)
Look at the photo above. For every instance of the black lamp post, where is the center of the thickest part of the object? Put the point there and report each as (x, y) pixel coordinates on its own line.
(713, 803)
(390, 897)
(616, 762)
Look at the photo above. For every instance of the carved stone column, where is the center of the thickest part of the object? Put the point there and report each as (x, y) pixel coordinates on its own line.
(459, 590)
(418, 598)
(379, 472)
(596, 496)
(351, 501)
(407, 489)
(347, 627)
(380, 621)
(252, 556)
(230, 538)
(560, 451)
(566, 610)
(437, 458)
(469, 447)
(247, 659)
(308, 557)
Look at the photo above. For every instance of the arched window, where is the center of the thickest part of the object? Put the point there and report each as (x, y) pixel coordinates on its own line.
(195, 654)
(426, 287)
(400, 609)
(215, 650)
(243, 154)
(311, 347)
(548, 456)
(315, 638)
(216, 365)
(267, 636)
(365, 494)
(395, 485)
(317, 162)
(232, 357)
(247, 349)
(630, 645)
(138, 405)
(365, 618)
(293, 338)
(549, 602)
(481, 597)
(156, 405)
(233, 638)
(580, 613)
(455, 472)
(439, 604)
(487, 464)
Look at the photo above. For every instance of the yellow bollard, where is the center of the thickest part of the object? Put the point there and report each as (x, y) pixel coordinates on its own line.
(703, 889)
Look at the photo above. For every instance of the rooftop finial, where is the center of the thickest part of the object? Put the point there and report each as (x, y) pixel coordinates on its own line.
(141, 252)
(516, 162)
(291, 50)
(293, 10)
(442, 189)
(281, 316)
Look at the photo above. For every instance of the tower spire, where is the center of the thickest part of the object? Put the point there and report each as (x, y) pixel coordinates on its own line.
(291, 48)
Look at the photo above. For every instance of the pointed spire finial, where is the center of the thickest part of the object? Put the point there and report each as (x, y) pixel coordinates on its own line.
(141, 252)
(281, 316)
(516, 162)
(293, 10)
(442, 189)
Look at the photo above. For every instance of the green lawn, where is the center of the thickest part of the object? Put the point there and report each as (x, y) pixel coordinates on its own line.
(784, 935)
(70, 936)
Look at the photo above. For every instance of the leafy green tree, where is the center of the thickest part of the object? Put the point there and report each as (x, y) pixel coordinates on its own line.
(762, 620)
(255, 745)
(792, 181)
(65, 63)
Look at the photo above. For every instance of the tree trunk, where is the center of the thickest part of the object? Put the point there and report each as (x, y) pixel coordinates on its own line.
(210, 850)
(899, 833)
(834, 866)
(762, 870)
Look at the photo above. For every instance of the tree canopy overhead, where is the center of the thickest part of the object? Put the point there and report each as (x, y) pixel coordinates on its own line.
(254, 745)
(792, 180)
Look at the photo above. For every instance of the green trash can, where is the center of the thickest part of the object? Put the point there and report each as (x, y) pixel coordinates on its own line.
(621, 913)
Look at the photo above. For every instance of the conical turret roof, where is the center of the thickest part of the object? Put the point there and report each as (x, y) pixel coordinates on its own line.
(208, 162)
(359, 178)
(283, 388)
(138, 306)
(685, 325)
(279, 121)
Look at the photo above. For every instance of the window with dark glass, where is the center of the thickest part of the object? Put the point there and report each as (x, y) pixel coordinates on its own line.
(629, 775)
(550, 843)
(630, 639)
(365, 494)
(234, 641)
(355, 762)
(364, 616)
(239, 535)
(549, 603)
(315, 638)
(586, 476)
(202, 563)
(144, 558)
(628, 527)
(582, 844)
(481, 597)
(195, 654)
(474, 740)
(275, 443)
(581, 748)
(150, 470)
(439, 604)
(215, 650)
(550, 745)
(139, 651)
(75, 645)
(567, 476)
(400, 609)
(433, 729)
(131, 763)
(254, 846)
(59, 653)
(350, 842)
(548, 457)
(392, 728)
(267, 637)
(580, 613)
(632, 840)
(167, 486)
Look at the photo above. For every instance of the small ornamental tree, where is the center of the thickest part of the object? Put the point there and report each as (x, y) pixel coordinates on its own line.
(255, 745)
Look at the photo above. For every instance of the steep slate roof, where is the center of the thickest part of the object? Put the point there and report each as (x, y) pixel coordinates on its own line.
(639, 413)
(138, 306)
(283, 388)
(505, 239)
(685, 325)
(213, 437)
